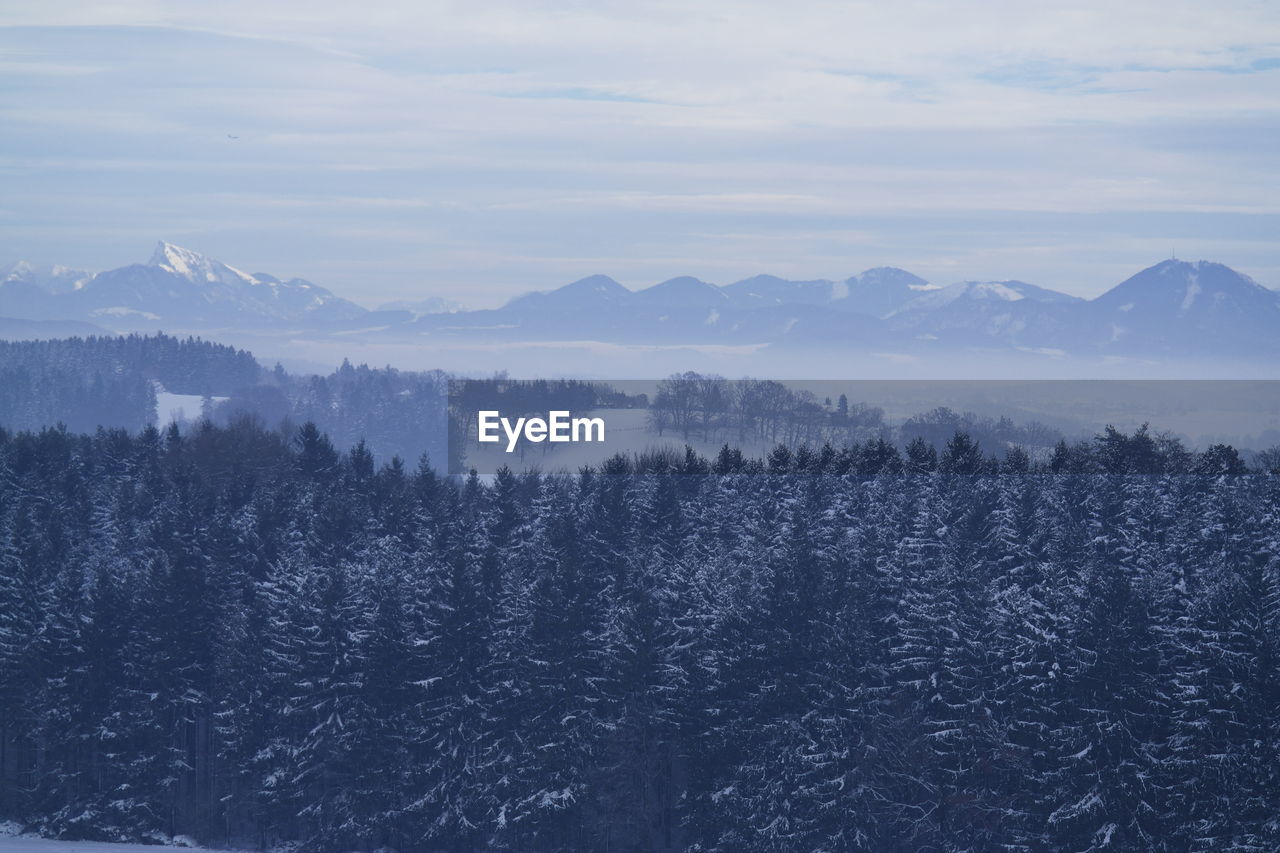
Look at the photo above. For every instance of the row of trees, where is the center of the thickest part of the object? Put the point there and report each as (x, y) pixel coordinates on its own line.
(756, 411)
(247, 638)
(764, 412)
(108, 381)
(84, 383)
(183, 365)
(392, 412)
(32, 397)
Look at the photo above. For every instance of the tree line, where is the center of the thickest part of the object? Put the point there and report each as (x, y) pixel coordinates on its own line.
(84, 383)
(245, 636)
(764, 412)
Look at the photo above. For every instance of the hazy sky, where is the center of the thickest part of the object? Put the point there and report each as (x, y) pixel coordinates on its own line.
(476, 150)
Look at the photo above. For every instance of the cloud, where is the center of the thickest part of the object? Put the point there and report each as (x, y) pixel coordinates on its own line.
(486, 149)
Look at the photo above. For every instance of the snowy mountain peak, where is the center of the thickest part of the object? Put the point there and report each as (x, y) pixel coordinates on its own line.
(1191, 289)
(180, 287)
(54, 279)
(1184, 282)
(998, 290)
(17, 270)
(196, 267)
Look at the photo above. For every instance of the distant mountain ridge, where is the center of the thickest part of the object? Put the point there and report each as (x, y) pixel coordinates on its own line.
(175, 288)
(418, 307)
(1174, 307)
(52, 279)
(1177, 307)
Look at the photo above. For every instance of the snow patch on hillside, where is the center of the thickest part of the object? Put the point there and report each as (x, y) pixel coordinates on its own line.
(997, 290)
(1193, 290)
(179, 407)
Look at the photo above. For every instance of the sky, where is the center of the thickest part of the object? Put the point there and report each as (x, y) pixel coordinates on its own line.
(475, 151)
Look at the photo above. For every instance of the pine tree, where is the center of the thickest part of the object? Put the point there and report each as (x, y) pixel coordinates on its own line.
(1104, 750)
(453, 744)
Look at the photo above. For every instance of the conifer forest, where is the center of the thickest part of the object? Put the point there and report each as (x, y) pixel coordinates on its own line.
(252, 638)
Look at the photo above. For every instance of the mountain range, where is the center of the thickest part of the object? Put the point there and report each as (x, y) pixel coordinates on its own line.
(1172, 308)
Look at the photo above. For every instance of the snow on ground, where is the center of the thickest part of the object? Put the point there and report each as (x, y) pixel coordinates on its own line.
(178, 407)
(25, 844)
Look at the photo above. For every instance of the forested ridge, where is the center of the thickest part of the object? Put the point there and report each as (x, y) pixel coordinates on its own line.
(109, 381)
(184, 365)
(84, 383)
(253, 638)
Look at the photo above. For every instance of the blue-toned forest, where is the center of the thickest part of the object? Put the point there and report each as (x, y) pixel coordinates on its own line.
(250, 637)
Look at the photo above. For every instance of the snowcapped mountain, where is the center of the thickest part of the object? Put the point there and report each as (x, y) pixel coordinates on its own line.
(53, 279)
(197, 268)
(179, 289)
(881, 291)
(1175, 308)
(686, 310)
(1175, 304)
(983, 313)
(1172, 308)
(29, 292)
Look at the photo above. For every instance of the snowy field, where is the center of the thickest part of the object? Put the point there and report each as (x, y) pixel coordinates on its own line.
(178, 407)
